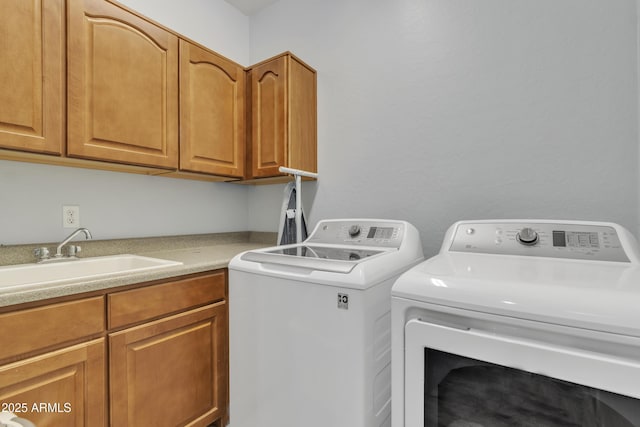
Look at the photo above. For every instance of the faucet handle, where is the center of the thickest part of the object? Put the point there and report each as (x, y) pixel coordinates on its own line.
(41, 253)
(72, 250)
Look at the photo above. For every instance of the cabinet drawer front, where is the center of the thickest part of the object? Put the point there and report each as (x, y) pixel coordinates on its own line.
(38, 328)
(142, 304)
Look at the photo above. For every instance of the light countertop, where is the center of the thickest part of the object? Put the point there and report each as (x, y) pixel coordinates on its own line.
(197, 254)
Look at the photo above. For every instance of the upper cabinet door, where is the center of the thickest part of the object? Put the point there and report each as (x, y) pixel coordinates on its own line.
(302, 133)
(283, 116)
(122, 87)
(268, 117)
(212, 113)
(32, 75)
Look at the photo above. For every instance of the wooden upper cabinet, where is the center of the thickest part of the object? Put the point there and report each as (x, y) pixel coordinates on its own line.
(122, 86)
(212, 113)
(139, 96)
(283, 116)
(32, 47)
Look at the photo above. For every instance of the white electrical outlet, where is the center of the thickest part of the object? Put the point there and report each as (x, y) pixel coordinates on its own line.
(71, 216)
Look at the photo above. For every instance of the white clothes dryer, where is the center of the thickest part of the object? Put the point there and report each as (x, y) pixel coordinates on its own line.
(520, 322)
(310, 326)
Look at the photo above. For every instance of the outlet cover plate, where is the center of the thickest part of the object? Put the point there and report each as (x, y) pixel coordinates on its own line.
(71, 216)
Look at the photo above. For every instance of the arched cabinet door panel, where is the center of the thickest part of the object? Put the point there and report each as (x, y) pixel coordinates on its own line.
(283, 116)
(212, 113)
(123, 87)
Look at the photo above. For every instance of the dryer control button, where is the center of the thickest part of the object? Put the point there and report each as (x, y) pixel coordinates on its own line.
(354, 230)
(527, 236)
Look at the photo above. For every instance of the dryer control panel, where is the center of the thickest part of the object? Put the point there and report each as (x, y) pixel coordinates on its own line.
(573, 240)
(359, 232)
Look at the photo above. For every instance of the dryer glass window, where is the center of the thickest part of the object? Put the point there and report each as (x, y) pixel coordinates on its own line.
(464, 392)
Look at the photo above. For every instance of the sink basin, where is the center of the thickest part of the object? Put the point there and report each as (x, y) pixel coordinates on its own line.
(15, 277)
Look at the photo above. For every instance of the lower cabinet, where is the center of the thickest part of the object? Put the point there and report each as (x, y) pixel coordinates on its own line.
(170, 372)
(59, 388)
(164, 346)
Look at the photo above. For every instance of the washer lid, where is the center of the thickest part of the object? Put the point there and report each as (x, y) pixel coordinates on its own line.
(595, 295)
(335, 259)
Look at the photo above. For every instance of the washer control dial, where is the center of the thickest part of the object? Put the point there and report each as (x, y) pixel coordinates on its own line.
(354, 230)
(527, 236)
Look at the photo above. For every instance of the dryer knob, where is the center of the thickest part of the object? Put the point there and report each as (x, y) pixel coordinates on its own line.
(354, 230)
(527, 236)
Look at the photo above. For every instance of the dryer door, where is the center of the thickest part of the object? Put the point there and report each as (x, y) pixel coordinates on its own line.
(461, 377)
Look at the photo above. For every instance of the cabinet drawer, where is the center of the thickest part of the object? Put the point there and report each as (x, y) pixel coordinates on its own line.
(142, 304)
(38, 328)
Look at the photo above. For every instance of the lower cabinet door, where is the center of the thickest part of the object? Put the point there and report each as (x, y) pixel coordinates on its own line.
(171, 371)
(61, 388)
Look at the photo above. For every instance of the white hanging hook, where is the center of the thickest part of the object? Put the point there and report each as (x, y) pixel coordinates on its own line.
(298, 174)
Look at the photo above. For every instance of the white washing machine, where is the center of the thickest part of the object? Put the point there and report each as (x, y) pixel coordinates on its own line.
(310, 326)
(520, 323)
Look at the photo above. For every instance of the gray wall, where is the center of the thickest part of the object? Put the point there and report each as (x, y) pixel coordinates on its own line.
(428, 110)
(112, 205)
(438, 110)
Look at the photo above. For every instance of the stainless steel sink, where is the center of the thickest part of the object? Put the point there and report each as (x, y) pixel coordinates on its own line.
(16, 277)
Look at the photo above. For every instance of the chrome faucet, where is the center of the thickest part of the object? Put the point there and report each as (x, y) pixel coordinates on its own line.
(42, 254)
(72, 249)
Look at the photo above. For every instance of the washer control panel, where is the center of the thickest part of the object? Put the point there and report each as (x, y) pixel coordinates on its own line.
(386, 234)
(546, 239)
